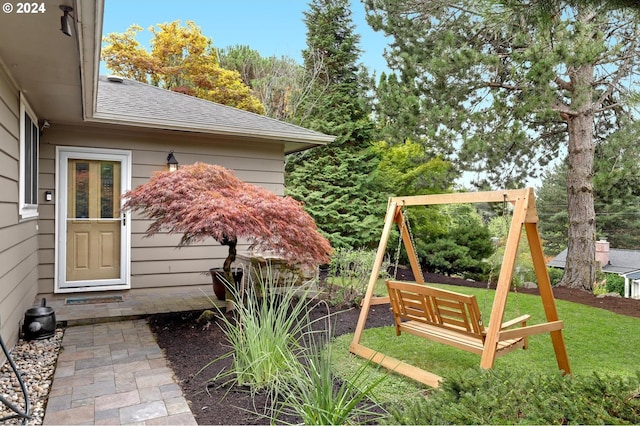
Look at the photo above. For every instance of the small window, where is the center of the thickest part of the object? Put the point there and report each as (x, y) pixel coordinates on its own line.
(29, 143)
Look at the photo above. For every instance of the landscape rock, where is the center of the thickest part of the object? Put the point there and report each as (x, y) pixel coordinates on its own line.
(36, 362)
(612, 294)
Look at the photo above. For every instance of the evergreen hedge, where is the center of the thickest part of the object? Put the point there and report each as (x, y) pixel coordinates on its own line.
(511, 397)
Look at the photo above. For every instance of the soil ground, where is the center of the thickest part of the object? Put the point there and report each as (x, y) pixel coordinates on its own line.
(190, 346)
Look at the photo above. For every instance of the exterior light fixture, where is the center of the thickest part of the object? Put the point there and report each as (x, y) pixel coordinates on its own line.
(172, 163)
(65, 20)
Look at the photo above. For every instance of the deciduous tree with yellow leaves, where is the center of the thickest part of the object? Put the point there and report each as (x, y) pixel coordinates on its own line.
(181, 59)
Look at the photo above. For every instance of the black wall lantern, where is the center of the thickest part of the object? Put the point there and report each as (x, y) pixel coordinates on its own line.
(65, 20)
(172, 163)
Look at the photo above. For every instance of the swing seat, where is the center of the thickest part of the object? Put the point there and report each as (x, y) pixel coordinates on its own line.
(446, 317)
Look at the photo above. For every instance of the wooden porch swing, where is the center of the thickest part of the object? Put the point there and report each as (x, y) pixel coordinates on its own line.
(452, 318)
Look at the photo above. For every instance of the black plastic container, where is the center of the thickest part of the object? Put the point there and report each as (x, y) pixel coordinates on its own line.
(39, 322)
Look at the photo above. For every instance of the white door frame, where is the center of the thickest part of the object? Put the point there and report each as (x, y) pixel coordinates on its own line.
(63, 155)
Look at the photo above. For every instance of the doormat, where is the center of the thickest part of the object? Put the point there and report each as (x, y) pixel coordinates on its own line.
(88, 300)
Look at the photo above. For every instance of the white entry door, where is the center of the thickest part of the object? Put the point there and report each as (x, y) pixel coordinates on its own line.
(92, 232)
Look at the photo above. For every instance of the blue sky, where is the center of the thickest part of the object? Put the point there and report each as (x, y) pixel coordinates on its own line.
(273, 27)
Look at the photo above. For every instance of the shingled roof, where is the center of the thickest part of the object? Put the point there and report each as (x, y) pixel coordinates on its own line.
(620, 261)
(131, 102)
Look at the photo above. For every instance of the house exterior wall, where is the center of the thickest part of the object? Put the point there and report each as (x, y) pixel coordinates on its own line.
(155, 261)
(18, 238)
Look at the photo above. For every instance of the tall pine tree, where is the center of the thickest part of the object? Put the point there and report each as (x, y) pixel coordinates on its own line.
(336, 182)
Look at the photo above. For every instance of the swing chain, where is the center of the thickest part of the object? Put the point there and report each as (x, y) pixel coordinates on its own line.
(397, 259)
(486, 293)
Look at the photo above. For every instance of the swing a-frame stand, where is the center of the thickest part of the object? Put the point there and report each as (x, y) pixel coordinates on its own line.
(494, 336)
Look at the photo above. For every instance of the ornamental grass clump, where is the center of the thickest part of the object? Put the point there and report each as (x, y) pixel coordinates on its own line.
(264, 333)
(315, 395)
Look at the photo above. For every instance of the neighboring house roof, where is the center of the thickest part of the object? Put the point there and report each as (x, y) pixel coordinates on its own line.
(633, 275)
(620, 261)
(135, 103)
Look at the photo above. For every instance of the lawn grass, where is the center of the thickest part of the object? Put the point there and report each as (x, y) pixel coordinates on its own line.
(597, 340)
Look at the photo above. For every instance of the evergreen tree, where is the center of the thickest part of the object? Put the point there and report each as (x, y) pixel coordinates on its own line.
(463, 248)
(340, 106)
(406, 169)
(336, 183)
(398, 110)
(551, 202)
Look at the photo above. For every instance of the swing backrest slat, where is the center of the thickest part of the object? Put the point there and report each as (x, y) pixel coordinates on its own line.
(433, 306)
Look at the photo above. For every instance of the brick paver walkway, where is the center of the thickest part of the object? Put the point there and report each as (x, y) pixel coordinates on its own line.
(112, 374)
(110, 369)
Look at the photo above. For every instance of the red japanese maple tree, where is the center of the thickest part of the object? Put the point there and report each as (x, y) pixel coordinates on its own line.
(203, 200)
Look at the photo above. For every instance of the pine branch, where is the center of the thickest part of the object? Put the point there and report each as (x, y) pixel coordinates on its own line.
(622, 71)
(499, 85)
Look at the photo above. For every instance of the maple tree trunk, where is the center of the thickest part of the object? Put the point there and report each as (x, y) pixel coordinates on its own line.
(226, 267)
(581, 266)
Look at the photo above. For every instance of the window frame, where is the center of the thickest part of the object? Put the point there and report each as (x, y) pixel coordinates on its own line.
(29, 160)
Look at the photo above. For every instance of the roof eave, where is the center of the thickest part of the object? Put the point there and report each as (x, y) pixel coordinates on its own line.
(90, 40)
(317, 139)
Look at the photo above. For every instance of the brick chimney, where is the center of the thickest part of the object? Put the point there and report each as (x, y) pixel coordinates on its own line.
(602, 252)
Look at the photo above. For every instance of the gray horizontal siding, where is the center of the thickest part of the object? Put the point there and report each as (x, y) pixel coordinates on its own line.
(9, 193)
(8, 145)
(171, 280)
(18, 239)
(9, 115)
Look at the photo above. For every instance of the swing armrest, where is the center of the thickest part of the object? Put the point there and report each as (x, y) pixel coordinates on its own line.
(522, 319)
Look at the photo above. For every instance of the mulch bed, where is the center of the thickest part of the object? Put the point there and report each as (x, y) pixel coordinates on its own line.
(190, 346)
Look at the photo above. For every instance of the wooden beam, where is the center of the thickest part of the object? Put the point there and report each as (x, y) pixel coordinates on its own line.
(530, 330)
(504, 280)
(380, 300)
(392, 211)
(512, 195)
(532, 211)
(546, 295)
(408, 245)
(396, 365)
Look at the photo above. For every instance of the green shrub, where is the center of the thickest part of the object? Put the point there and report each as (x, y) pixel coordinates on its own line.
(600, 286)
(555, 275)
(511, 397)
(615, 284)
(349, 273)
